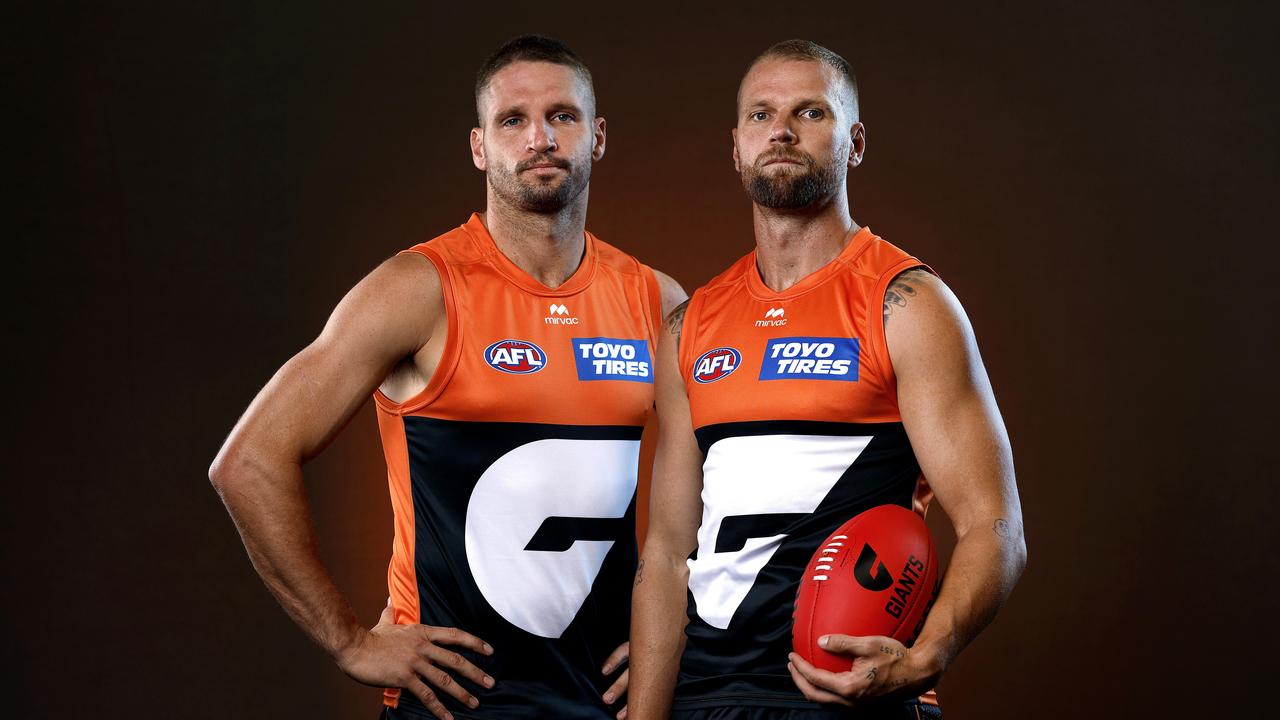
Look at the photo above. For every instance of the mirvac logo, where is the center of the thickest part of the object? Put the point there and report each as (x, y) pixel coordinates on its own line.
(602, 358)
(713, 365)
(810, 358)
(515, 356)
(773, 317)
(558, 314)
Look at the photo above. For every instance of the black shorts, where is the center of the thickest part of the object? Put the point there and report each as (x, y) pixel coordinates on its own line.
(911, 710)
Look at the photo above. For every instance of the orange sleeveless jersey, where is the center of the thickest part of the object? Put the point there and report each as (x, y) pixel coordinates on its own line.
(513, 473)
(794, 405)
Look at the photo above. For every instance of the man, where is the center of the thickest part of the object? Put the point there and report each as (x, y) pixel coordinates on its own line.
(820, 376)
(511, 364)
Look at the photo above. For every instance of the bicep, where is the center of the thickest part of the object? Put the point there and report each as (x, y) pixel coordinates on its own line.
(948, 407)
(386, 317)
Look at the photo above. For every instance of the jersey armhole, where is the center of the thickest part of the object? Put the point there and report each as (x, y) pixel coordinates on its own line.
(684, 354)
(875, 321)
(653, 298)
(453, 343)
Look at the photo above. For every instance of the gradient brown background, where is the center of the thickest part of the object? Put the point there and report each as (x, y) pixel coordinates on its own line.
(197, 187)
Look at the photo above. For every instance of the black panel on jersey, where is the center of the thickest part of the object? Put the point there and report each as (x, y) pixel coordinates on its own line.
(746, 664)
(708, 435)
(536, 677)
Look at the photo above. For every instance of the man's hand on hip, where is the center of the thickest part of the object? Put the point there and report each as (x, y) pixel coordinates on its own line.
(411, 657)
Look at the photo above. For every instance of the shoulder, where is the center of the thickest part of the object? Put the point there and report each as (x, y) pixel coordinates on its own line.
(916, 285)
(877, 256)
(673, 294)
(611, 257)
(617, 260)
(733, 275)
(454, 247)
(924, 319)
(402, 299)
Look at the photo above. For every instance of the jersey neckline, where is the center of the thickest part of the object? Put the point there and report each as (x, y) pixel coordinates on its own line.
(576, 282)
(760, 291)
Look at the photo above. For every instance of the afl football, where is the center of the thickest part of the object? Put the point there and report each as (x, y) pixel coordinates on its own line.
(877, 574)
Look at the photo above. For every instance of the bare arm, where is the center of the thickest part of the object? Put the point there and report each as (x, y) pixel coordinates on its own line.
(950, 414)
(955, 428)
(672, 296)
(658, 602)
(388, 317)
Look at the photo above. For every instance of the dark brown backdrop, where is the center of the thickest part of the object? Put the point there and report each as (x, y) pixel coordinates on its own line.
(199, 186)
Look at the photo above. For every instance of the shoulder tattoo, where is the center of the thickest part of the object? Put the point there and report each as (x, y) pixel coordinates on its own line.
(675, 321)
(902, 288)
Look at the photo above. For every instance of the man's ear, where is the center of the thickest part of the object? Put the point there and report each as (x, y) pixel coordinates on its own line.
(597, 139)
(477, 148)
(737, 164)
(857, 144)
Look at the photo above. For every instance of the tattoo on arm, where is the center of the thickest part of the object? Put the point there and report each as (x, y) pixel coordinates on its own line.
(675, 321)
(639, 574)
(901, 290)
(871, 674)
(1002, 528)
(887, 650)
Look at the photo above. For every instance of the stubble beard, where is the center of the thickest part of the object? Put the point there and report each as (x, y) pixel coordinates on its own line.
(526, 192)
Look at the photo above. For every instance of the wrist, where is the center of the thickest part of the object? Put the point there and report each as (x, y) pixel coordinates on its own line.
(929, 660)
(348, 646)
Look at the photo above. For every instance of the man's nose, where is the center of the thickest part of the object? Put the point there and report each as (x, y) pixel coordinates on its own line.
(541, 139)
(781, 131)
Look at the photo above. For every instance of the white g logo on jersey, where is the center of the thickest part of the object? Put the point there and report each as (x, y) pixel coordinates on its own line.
(542, 591)
(758, 475)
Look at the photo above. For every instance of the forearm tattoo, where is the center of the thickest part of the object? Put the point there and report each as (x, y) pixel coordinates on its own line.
(889, 650)
(639, 574)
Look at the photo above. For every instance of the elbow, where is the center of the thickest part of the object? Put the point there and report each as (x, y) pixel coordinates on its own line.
(221, 471)
(229, 470)
(1018, 554)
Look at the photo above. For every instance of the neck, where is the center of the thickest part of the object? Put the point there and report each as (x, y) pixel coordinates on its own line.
(792, 244)
(547, 246)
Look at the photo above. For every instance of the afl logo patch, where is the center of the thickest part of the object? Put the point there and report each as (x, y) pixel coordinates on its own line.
(515, 356)
(716, 364)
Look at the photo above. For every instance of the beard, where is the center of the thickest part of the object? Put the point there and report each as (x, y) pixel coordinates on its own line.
(529, 193)
(792, 188)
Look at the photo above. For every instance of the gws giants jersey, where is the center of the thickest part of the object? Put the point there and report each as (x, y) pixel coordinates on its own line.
(513, 473)
(794, 405)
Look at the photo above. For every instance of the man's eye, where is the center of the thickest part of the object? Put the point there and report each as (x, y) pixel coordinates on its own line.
(759, 116)
(563, 117)
(510, 122)
(814, 114)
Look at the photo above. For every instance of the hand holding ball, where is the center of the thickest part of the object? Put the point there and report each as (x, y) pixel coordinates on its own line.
(875, 575)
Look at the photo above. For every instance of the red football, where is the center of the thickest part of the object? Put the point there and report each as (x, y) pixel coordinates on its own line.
(875, 575)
